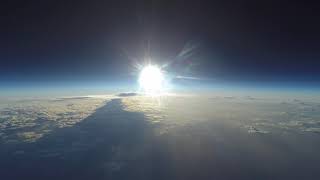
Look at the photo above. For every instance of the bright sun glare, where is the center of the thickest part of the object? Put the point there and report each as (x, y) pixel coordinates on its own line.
(151, 79)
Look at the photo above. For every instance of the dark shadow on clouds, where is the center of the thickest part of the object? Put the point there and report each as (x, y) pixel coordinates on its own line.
(127, 94)
(109, 144)
(116, 144)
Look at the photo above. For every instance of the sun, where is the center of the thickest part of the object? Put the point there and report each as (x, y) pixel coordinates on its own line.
(151, 79)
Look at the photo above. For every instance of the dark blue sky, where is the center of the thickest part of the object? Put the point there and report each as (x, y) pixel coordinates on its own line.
(239, 41)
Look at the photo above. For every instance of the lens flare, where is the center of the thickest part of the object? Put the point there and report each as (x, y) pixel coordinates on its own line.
(151, 79)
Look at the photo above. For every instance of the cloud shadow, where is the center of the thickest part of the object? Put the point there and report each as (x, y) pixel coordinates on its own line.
(109, 144)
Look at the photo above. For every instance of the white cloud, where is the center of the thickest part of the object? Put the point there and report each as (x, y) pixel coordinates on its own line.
(30, 119)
